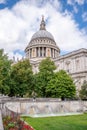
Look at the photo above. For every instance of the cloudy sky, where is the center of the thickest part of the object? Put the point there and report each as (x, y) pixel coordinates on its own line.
(20, 19)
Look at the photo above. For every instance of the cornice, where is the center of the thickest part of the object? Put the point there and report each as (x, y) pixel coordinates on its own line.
(75, 54)
(80, 72)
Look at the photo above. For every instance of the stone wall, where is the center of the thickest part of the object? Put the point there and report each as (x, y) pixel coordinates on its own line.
(46, 106)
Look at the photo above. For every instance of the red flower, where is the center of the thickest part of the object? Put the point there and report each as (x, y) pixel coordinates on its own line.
(18, 123)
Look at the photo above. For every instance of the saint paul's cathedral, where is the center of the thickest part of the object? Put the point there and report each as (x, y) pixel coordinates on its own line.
(42, 45)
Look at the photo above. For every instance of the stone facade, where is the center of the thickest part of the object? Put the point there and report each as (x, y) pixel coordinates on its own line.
(42, 45)
(75, 63)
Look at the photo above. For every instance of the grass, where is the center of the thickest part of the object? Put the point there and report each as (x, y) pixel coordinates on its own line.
(77, 122)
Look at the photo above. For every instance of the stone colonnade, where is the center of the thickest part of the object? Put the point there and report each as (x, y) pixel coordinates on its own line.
(42, 52)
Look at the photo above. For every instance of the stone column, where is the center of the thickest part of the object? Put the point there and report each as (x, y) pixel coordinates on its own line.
(42, 51)
(48, 52)
(35, 52)
(30, 53)
(53, 53)
(39, 51)
(74, 65)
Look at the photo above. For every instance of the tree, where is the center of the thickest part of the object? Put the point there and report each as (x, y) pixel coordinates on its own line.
(61, 86)
(46, 72)
(83, 91)
(5, 67)
(21, 78)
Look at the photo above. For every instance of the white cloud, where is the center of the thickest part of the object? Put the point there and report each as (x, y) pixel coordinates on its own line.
(75, 9)
(18, 25)
(67, 33)
(2, 1)
(80, 2)
(72, 2)
(84, 16)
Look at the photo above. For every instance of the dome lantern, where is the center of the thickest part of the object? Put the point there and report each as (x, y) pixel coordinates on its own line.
(42, 25)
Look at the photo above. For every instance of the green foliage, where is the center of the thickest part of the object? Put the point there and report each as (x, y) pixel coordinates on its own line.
(83, 91)
(5, 67)
(47, 66)
(46, 72)
(61, 86)
(21, 78)
(11, 125)
(18, 79)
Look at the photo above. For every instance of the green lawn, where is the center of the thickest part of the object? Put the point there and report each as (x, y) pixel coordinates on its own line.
(77, 122)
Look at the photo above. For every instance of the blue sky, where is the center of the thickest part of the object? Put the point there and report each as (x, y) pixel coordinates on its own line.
(20, 19)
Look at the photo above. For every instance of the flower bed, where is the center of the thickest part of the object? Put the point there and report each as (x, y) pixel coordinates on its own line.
(14, 123)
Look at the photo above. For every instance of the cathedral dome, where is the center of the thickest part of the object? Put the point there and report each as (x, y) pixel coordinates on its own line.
(42, 44)
(42, 34)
